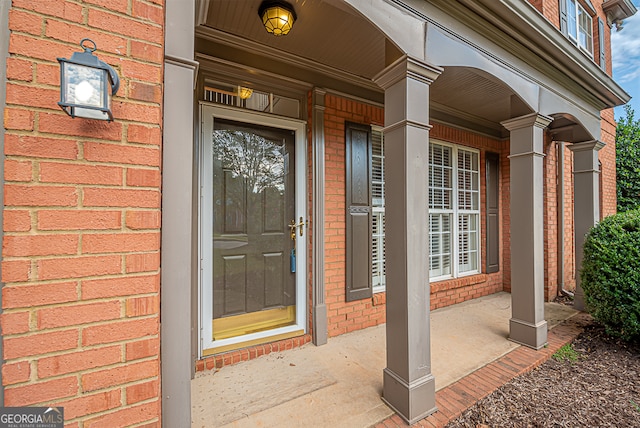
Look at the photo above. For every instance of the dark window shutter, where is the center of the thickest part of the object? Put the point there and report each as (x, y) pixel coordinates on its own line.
(358, 204)
(563, 16)
(493, 219)
(603, 62)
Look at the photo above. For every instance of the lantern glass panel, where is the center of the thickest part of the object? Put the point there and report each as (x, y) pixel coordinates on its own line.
(85, 85)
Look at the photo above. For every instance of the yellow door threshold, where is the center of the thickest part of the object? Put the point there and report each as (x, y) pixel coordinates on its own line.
(248, 343)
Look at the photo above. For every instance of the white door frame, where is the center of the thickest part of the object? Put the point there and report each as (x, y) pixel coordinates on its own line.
(208, 114)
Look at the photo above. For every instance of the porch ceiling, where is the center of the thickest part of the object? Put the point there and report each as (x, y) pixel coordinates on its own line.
(466, 97)
(330, 35)
(327, 32)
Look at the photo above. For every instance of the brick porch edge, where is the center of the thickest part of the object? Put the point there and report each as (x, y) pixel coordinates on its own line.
(454, 399)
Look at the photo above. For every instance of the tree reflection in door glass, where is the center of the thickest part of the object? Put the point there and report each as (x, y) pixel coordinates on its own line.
(253, 203)
(258, 160)
(251, 164)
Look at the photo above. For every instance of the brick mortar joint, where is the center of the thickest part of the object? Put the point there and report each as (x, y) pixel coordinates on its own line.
(86, 8)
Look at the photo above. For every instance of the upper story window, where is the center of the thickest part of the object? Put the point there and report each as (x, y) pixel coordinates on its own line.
(576, 23)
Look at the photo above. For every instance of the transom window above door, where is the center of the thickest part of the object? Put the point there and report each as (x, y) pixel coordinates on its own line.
(251, 99)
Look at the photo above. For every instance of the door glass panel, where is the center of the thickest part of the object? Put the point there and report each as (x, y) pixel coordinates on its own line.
(253, 203)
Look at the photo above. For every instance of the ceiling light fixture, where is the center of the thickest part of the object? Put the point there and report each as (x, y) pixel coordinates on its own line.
(244, 92)
(277, 17)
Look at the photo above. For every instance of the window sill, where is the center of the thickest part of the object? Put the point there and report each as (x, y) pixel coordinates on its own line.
(453, 283)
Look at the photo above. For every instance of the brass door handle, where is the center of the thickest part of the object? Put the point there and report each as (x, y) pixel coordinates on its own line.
(293, 225)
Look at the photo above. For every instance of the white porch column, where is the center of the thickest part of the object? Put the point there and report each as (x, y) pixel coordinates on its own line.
(586, 202)
(409, 386)
(527, 325)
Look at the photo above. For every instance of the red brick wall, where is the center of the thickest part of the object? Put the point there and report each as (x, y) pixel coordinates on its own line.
(569, 242)
(343, 316)
(607, 202)
(82, 217)
(537, 4)
(551, 226)
(607, 157)
(505, 171)
(551, 11)
(550, 203)
(349, 316)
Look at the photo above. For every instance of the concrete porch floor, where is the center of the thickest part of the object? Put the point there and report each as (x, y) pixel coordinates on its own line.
(340, 384)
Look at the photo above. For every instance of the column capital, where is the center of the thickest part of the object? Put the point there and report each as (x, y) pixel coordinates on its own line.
(318, 95)
(407, 66)
(595, 145)
(534, 119)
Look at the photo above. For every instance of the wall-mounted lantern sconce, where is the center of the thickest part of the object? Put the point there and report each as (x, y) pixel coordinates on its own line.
(87, 84)
(277, 17)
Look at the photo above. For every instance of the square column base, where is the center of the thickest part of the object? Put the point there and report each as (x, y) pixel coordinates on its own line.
(527, 334)
(320, 333)
(578, 299)
(412, 401)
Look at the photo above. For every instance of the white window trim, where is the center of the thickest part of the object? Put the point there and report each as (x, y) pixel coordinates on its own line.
(583, 11)
(576, 38)
(380, 288)
(455, 212)
(574, 22)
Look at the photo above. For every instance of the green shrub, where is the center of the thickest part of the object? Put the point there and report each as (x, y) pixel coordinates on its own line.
(627, 166)
(611, 274)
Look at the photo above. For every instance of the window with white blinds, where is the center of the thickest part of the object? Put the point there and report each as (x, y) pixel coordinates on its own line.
(454, 211)
(377, 203)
